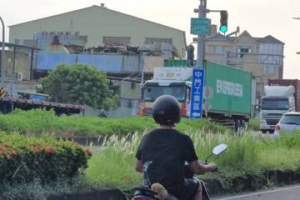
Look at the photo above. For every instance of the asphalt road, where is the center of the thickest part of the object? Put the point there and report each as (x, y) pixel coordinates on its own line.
(284, 193)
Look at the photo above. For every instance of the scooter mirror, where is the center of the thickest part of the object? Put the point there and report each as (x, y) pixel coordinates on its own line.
(219, 149)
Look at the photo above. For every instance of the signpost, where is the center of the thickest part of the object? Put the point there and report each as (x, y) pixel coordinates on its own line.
(197, 93)
(200, 26)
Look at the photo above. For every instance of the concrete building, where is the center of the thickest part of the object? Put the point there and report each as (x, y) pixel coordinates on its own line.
(102, 26)
(262, 56)
(18, 62)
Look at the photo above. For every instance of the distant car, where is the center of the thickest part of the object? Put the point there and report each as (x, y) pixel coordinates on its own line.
(289, 122)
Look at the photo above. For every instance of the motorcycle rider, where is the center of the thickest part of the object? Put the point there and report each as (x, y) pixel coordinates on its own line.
(162, 153)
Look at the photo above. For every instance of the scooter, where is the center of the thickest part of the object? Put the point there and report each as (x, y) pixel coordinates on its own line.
(144, 193)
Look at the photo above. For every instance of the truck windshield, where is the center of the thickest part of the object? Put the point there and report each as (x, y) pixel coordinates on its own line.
(275, 104)
(152, 92)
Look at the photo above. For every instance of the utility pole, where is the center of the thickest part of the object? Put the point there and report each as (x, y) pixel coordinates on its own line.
(143, 51)
(3, 54)
(201, 27)
(201, 38)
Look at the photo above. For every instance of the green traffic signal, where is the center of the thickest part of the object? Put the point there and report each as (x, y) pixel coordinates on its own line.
(223, 29)
(224, 21)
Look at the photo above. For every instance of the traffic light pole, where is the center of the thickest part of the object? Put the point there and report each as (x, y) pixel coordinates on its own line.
(202, 11)
(201, 38)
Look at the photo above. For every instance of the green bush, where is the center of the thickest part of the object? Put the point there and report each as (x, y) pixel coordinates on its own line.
(23, 159)
(254, 124)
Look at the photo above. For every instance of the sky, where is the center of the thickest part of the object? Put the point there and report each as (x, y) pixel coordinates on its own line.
(259, 17)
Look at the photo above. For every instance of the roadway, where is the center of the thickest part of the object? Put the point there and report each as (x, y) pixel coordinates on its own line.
(284, 193)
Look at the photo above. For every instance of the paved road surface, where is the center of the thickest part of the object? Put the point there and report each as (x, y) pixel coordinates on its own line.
(285, 193)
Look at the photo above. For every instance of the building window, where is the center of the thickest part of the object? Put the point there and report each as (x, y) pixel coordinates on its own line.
(219, 49)
(270, 70)
(243, 51)
(116, 40)
(158, 40)
(271, 49)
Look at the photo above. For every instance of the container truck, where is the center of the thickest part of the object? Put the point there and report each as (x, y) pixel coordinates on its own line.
(227, 92)
(276, 101)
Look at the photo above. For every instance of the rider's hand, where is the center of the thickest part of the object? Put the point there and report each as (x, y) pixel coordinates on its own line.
(212, 166)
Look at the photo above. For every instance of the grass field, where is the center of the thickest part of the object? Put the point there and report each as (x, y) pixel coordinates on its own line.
(113, 162)
(36, 122)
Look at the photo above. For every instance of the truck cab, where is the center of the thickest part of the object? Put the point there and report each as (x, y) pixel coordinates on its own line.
(154, 88)
(277, 101)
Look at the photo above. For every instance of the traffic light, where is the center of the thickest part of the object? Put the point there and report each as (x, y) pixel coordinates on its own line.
(190, 55)
(224, 21)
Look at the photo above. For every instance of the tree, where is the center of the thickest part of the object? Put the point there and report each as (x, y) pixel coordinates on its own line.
(81, 84)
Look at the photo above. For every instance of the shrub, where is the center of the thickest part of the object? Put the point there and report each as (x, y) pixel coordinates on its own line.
(254, 124)
(23, 159)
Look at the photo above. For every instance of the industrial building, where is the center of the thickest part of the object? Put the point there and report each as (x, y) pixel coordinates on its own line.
(99, 26)
(122, 45)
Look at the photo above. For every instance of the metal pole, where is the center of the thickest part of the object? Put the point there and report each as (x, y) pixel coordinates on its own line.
(143, 51)
(201, 38)
(3, 54)
(142, 67)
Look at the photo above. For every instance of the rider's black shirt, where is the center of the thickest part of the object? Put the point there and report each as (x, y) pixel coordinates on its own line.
(165, 151)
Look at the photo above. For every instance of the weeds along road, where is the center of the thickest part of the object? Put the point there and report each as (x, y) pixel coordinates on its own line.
(284, 193)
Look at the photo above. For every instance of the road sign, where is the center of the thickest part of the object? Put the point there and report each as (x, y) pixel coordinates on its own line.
(197, 93)
(200, 26)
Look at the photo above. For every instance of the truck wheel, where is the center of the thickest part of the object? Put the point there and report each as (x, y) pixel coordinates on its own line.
(263, 131)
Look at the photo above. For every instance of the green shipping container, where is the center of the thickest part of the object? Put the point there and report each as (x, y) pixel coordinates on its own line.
(229, 89)
(175, 63)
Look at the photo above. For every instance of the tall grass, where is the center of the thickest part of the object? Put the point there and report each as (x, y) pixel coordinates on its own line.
(113, 162)
(36, 122)
(282, 153)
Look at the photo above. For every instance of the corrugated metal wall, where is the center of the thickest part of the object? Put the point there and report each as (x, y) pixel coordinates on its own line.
(130, 90)
(109, 63)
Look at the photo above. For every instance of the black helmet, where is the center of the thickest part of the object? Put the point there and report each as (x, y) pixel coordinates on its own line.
(166, 110)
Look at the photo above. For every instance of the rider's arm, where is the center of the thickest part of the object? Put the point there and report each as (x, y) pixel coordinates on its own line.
(202, 169)
(139, 163)
(192, 159)
(139, 166)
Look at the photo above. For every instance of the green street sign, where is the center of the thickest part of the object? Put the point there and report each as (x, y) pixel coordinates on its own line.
(200, 26)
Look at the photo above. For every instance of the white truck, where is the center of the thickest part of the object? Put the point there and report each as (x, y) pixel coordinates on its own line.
(277, 101)
(170, 81)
